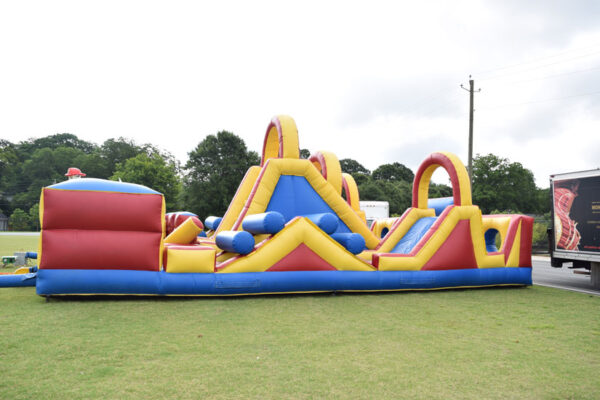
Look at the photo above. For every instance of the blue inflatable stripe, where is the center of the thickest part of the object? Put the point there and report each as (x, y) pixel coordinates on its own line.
(414, 234)
(17, 280)
(439, 204)
(56, 281)
(102, 185)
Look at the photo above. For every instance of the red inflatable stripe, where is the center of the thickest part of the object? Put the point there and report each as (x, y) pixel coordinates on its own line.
(456, 251)
(100, 249)
(70, 209)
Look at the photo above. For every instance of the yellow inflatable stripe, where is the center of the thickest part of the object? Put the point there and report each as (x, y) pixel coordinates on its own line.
(328, 165)
(515, 251)
(463, 178)
(484, 260)
(164, 230)
(352, 196)
(424, 185)
(291, 146)
(281, 140)
(500, 224)
(41, 211)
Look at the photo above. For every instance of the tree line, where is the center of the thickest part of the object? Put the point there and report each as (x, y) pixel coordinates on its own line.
(209, 178)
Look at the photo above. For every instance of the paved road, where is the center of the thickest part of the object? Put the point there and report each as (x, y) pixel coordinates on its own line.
(562, 278)
(19, 234)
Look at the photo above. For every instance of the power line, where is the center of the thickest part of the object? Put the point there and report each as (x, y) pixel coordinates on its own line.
(540, 66)
(536, 59)
(552, 76)
(540, 101)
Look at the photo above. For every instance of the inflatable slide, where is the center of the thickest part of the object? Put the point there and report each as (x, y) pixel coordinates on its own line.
(293, 226)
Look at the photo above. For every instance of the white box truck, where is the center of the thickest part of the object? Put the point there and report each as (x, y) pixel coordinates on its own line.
(375, 210)
(575, 232)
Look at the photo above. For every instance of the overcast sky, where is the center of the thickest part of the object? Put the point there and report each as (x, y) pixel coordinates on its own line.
(376, 81)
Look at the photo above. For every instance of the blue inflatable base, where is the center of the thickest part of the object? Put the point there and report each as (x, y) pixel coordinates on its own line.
(18, 280)
(65, 282)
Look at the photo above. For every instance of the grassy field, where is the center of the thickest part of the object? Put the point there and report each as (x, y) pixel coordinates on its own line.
(9, 244)
(490, 343)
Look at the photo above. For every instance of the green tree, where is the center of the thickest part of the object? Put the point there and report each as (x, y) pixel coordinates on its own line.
(544, 202)
(305, 153)
(34, 217)
(152, 171)
(499, 184)
(9, 169)
(214, 171)
(352, 167)
(356, 169)
(19, 220)
(397, 194)
(439, 190)
(103, 163)
(55, 141)
(45, 167)
(394, 172)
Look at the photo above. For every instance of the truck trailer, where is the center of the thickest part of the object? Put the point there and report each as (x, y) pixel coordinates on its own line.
(575, 233)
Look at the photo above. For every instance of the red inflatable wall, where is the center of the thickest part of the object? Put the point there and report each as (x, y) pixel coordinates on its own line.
(101, 230)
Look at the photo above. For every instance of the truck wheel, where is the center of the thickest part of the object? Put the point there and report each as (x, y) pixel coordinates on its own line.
(595, 275)
(556, 262)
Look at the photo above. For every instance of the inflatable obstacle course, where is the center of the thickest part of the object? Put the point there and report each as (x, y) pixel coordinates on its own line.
(293, 226)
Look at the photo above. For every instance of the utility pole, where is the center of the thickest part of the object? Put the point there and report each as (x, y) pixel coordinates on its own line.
(471, 91)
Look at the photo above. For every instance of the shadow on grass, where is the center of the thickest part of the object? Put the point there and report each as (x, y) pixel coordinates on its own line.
(237, 297)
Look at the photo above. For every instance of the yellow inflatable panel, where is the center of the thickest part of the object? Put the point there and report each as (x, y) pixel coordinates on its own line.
(181, 259)
(185, 233)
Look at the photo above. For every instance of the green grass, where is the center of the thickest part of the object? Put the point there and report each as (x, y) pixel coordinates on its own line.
(489, 343)
(9, 244)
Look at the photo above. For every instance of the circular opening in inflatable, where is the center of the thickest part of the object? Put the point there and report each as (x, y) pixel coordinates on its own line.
(384, 232)
(493, 240)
